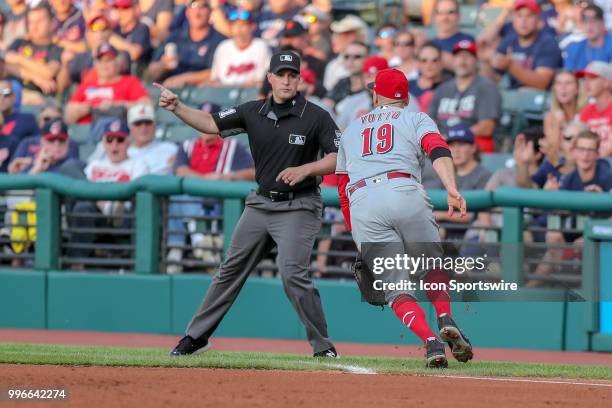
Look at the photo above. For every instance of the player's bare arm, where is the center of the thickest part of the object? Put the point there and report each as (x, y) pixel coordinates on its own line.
(294, 175)
(446, 171)
(199, 120)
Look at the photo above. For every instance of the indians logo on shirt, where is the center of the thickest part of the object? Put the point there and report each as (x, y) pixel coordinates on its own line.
(241, 69)
(202, 50)
(105, 174)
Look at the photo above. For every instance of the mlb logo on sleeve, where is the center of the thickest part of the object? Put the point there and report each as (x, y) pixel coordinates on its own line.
(297, 139)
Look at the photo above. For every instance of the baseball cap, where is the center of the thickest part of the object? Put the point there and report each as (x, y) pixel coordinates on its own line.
(599, 14)
(347, 24)
(98, 23)
(121, 3)
(309, 76)
(466, 45)
(105, 49)
(460, 133)
(284, 60)
(293, 28)
(141, 112)
(116, 127)
(373, 64)
(530, 4)
(390, 83)
(597, 69)
(55, 129)
(210, 107)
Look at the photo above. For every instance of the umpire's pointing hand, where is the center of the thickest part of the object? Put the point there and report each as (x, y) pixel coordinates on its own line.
(456, 202)
(292, 175)
(167, 99)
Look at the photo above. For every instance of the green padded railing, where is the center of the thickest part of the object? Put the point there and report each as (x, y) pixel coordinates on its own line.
(148, 189)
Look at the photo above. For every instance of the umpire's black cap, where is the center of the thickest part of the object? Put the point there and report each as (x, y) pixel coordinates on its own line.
(285, 60)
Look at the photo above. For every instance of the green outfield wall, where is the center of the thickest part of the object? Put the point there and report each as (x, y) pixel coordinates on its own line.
(149, 302)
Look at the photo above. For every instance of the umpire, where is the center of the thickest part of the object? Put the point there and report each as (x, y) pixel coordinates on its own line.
(286, 134)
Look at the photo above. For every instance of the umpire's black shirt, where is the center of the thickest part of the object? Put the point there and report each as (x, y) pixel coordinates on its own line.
(281, 136)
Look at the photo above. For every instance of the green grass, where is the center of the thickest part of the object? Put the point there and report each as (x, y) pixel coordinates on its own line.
(150, 357)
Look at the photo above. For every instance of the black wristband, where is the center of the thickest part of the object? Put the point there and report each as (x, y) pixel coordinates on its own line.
(439, 152)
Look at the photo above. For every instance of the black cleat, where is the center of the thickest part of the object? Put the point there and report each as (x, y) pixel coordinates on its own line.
(434, 355)
(329, 353)
(188, 345)
(458, 342)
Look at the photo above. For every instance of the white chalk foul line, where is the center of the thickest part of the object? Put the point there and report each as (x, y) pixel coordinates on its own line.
(526, 380)
(353, 369)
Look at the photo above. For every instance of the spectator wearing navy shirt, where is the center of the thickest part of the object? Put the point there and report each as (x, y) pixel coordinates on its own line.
(446, 14)
(531, 56)
(68, 26)
(35, 60)
(273, 18)
(188, 54)
(131, 35)
(17, 125)
(597, 46)
(157, 15)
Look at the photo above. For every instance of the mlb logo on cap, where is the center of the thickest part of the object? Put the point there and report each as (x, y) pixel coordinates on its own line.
(115, 126)
(55, 128)
(460, 133)
(286, 57)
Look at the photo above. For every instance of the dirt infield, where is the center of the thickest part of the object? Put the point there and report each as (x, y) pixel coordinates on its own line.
(289, 346)
(164, 387)
(112, 387)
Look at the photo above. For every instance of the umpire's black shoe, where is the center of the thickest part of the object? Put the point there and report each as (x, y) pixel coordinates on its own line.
(434, 354)
(330, 353)
(188, 345)
(458, 342)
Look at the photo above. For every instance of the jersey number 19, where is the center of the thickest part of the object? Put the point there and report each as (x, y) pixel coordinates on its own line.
(384, 139)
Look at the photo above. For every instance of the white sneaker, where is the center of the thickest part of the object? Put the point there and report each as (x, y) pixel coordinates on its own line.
(174, 255)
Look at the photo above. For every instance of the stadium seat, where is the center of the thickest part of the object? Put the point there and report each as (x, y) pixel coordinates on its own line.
(225, 97)
(247, 94)
(183, 93)
(495, 161)
(468, 16)
(179, 134)
(168, 118)
(487, 15)
(85, 150)
(33, 109)
(80, 133)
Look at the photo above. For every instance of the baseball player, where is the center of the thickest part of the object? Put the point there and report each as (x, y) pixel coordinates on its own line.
(379, 165)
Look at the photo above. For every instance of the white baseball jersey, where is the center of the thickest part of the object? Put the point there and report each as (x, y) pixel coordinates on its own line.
(386, 139)
(234, 66)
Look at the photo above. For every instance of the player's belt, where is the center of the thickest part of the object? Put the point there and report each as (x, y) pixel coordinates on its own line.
(286, 195)
(390, 175)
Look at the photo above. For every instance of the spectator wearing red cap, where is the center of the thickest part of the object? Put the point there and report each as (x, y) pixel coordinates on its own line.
(598, 115)
(108, 94)
(241, 60)
(354, 57)
(431, 74)
(446, 15)
(130, 35)
(468, 98)
(356, 105)
(188, 52)
(68, 26)
(531, 56)
(77, 68)
(35, 60)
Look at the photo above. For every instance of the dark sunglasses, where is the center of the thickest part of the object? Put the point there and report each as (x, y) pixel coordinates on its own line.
(239, 15)
(118, 139)
(56, 139)
(353, 56)
(143, 122)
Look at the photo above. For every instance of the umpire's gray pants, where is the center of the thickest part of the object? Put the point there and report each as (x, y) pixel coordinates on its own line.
(292, 226)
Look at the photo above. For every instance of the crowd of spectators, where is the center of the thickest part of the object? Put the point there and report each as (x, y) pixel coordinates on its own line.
(91, 63)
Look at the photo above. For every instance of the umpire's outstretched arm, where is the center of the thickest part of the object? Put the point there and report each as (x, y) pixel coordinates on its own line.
(197, 119)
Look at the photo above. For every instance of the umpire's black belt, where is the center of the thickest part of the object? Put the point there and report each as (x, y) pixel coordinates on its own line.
(275, 196)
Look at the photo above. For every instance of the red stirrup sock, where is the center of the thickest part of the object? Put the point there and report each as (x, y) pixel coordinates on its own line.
(412, 315)
(439, 298)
